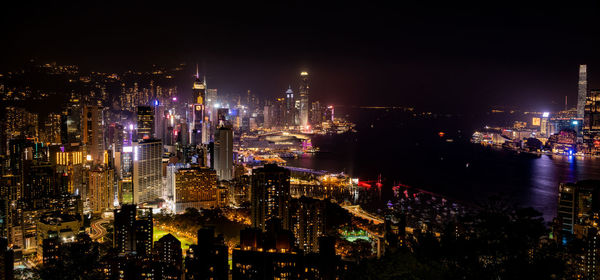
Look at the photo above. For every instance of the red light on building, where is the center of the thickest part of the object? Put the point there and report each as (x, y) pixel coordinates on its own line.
(441, 134)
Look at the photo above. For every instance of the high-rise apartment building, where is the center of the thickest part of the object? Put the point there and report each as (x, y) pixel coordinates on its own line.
(133, 230)
(308, 222)
(101, 194)
(168, 252)
(20, 122)
(270, 193)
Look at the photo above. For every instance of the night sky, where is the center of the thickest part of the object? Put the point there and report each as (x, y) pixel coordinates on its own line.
(450, 58)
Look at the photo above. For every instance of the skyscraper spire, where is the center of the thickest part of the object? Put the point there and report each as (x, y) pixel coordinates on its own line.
(197, 72)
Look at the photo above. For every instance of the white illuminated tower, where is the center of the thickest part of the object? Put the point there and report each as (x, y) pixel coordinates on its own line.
(223, 153)
(147, 170)
(304, 93)
(582, 91)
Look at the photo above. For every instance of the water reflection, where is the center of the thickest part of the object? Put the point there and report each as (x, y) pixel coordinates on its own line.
(548, 172)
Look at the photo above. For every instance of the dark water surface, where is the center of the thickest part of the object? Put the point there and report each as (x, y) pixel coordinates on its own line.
(407, 149)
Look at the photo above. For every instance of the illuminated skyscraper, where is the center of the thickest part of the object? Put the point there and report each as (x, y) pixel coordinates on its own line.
(71, 122)
(308, 222)
(591, 122)
(304, 98)
(93, 137)
(290, 109)
(160, 121)
(147, 170)
(582, 91)
(223, 155)
(316, 113)
(199, 131)
(51, 130)
(68, 160)
(101, 192)
(270, 194)
(145, 122)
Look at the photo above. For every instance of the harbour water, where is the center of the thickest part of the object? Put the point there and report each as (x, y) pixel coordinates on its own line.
(408, 149)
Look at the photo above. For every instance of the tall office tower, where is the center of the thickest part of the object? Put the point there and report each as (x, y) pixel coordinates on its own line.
(591, 122)
(160, 121)
(223, 155)
(145, 122)
(198, 107)
(304, 99)
(133, 230)
(209, 258)
(168, 252)
(101, 193)
(290, 108)
(68, 160)
(277, 113)
(51, 131)
(308, 222)
(124, 228)
(114, 138)
(270, 192)
(268, 116)
(93, 137)
(222, 117)
(196, 188)
(582, 90)
(125, 183)
(169, 191)
(329, 114)
(211, 105)
(147, 170)
(71, 123)
(206, 131)
(316, 113)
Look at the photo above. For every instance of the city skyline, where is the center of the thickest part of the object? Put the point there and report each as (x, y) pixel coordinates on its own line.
(477, 56)
(299, 141)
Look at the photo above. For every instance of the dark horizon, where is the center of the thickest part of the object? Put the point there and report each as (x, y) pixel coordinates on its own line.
(436, 58)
